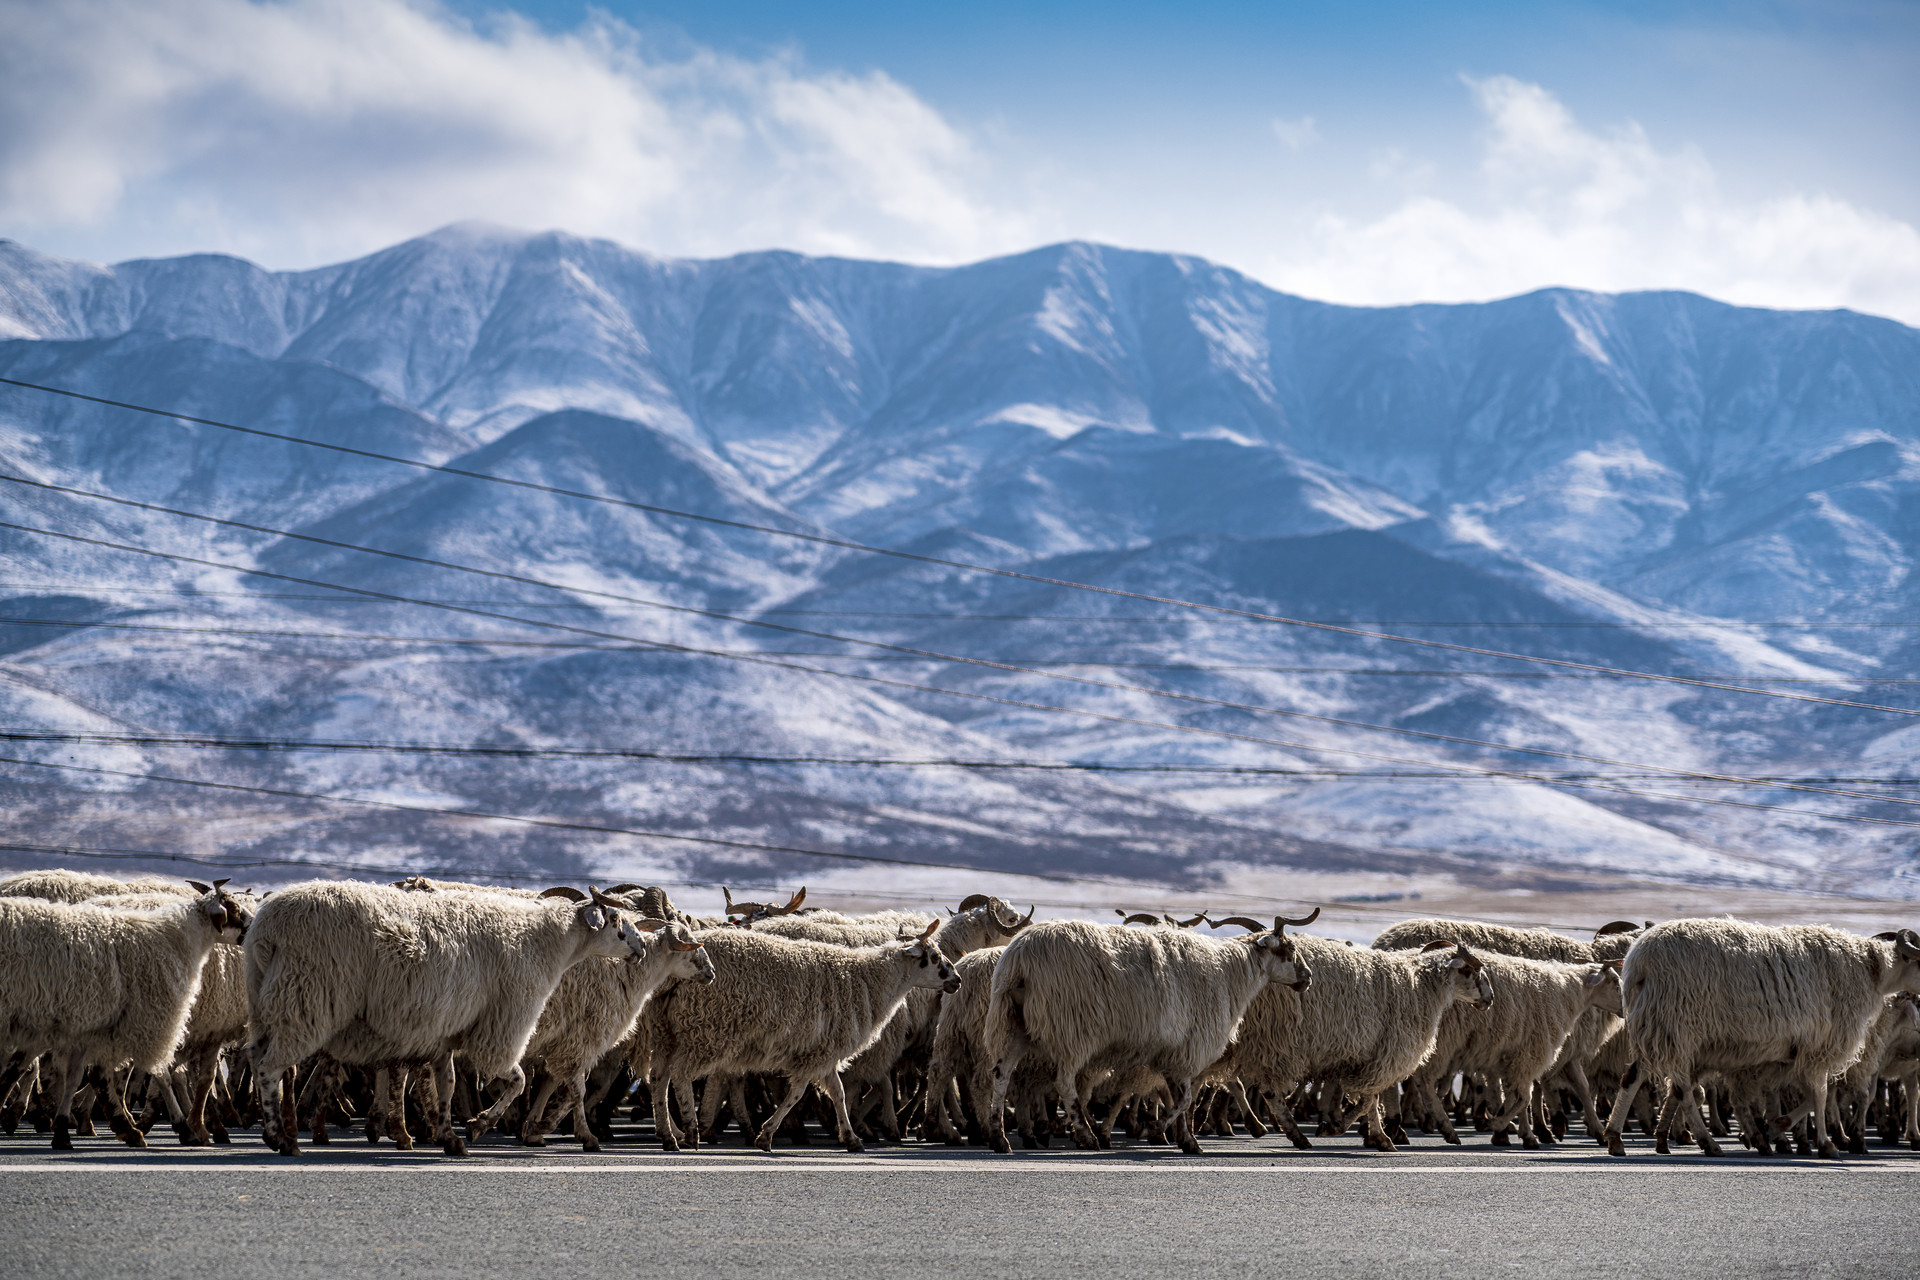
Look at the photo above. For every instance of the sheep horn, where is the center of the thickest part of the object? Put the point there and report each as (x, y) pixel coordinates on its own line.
(691, 944)
(731, 910)
(624, 888)
(1438, 944)
(602, 900)
(649, 924)
(793, 903)
(220, 884)
(1251, 926)
(1005, 916)
(1908, 944)
(566, 891)
(1280, 923)
(1887, 935)
(973, 900)
(401, 883)
(1188, 924)
(1615, 926)
(200, 888)
(1027, 919)
(1141, 917)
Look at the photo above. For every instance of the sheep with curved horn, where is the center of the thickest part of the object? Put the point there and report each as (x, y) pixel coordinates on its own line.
(376, 975)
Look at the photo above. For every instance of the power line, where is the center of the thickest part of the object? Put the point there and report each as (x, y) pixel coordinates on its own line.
(966, 566)
(1089, 619)
(985, 663)
(1110, 717)
(470, 750)
(81, 624)
(557, 823)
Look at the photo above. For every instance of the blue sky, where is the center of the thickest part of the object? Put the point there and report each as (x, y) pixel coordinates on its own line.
(1765, 153)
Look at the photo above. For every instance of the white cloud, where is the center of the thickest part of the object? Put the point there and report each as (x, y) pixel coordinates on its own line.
(312, 129)
(1296, 134)
(303, 131)
(1558, 204)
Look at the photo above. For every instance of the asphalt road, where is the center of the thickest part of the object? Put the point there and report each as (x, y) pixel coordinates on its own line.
(1245, 1208)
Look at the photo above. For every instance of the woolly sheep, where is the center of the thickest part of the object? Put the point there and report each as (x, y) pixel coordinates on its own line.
(1091, 995)
(372, 974)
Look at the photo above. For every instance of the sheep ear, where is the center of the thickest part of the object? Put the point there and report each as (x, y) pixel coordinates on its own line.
(201, 888)
(566, 891)
(1598, 976)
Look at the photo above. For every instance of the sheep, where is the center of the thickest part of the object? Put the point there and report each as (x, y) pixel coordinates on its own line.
(98, 984)
(1086, 994)
(796, 1008)
(218, 1020)
(1721, 995)
(60, 885)
(1595, 1027)
(1369, 1022)
(1518, 1038)
(593, 1009)
(372, 974)
(1891, 1041)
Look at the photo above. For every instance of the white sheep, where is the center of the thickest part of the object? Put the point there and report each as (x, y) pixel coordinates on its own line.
(92, 984)
(373, 974)
(785, 1006)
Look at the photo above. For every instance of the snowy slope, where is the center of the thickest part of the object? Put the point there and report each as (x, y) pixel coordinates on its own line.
(1650, 481)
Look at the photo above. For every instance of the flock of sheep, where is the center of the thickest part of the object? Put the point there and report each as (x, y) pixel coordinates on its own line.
(417, 1003)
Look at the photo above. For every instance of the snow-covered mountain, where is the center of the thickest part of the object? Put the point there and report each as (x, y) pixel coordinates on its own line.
(1654, 482)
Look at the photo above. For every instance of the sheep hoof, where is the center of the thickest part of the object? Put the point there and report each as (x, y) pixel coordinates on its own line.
(133, 1138)
(1827, 1151)
(1303, 1142)
(1660, 1145)
(455, 1145)
(1530, 1144)
(764, 1142)
(1858, 1146)
(1106, 1142)
(1001, 1144)
(221, 1137)
(589, 1143)
(1615, 1147)
(1255, 1129)
(1192, 1147)
(1502, 1140)
(854, 1145)
(533, 1140)
(62, 1136)
(1914, 1143)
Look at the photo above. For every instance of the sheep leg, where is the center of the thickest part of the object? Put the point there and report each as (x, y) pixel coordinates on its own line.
(119, 1119)
(1375, 1121)
(1622, 1104)
(589, 1140)
(1688, 1110)
(377, 1108)
(683, 1093)
(1583, 1090)
(837, 1094)
(1426, 1089)
(889, 1113)
(996, 1117)
(535, 1128)
(796, 1090)
(1183, 1119)
(1239, 1091)
(661, 1086)
(712, 1095)
(63, 1114)
(1283, 1112)
(201, 1073)
(397, 1075)
(437, 1080)
(1517, 1107)
(1813, 1107)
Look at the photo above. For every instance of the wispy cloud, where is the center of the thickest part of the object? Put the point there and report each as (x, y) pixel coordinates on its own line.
(310, 129)
(1558, 203)
(1297, 134)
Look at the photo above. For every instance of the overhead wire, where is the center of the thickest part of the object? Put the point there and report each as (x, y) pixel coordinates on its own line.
(967, 566)
(764, 658)
(521, 752)
(82, 624)
(1173, 726)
